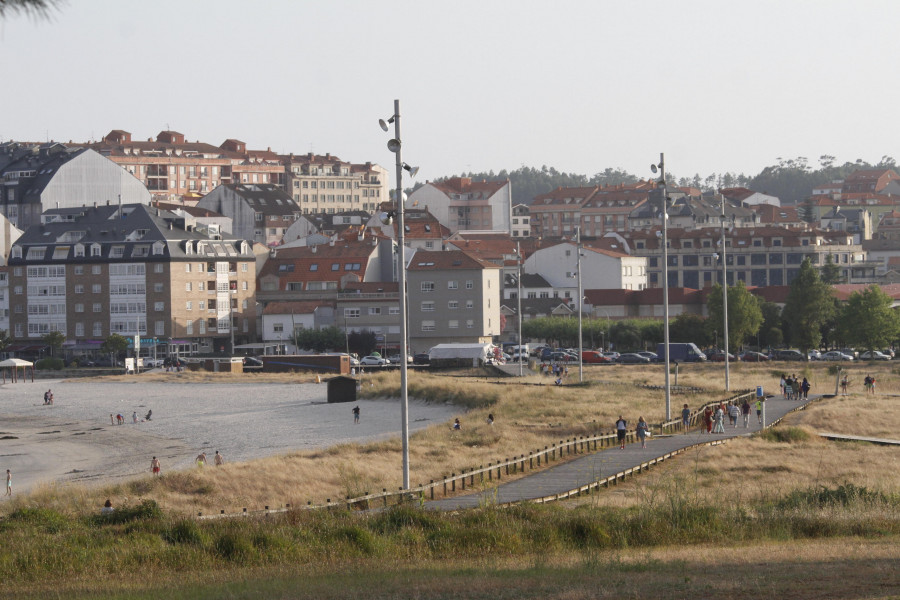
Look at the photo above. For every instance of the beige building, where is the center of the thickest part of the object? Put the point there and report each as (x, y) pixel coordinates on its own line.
(326, 184)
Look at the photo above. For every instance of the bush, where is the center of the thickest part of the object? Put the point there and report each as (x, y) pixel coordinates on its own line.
(49, 364)
(844, 495)
(147, 509)
(788, 435)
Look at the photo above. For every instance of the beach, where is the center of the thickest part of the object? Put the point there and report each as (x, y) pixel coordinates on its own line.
(73, 441)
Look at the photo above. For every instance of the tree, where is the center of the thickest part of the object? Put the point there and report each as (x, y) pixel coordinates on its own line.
(830, 272)
(744, 313)
(809, 305)
(362, 342)
(115, 344)
(867, 319)
(770, 333)
(689, 327)
(55, 340)
(5, 340)
(31, 8)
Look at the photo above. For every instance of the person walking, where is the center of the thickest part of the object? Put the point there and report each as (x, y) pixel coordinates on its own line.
(356, 414)
(719, 418)
(218, 459)
(745, 410)
(642, 430)
(871, 385)
(845, 383)
(782, 384)
(707, 419)
(621, 430)
(154, 466)
(733, 414)
(685, 417)
(804, 388)
(8, 483)
(759, 410)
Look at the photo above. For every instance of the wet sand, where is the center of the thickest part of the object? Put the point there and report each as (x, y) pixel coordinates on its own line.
(74, 441)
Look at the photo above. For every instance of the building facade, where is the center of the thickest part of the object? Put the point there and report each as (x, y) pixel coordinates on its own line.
(462, 204)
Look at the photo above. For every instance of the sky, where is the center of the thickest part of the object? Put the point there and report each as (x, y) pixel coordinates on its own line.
(718, 86)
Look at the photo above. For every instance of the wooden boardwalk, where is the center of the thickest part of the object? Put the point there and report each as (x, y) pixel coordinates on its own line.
(840, 437)
(609, 464)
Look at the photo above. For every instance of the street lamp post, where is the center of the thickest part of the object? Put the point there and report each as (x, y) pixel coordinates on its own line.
(661, 167)
(394, 145)
(725, 297)
(519, 301)
(580, 297)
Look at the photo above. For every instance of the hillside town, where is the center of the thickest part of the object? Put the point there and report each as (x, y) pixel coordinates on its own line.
(194, 248)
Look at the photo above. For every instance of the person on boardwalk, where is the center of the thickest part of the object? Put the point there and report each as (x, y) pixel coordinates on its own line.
(782, 384)
(734, 412)
(685, 417)
(745, 410)
(201, 459)
(804, 389)
(218, 459)
(8, 483)
(356, 414)
(154, 466)
(642, 430)
(707, 419)
(621, 430)
(719, 418)
(759, 410)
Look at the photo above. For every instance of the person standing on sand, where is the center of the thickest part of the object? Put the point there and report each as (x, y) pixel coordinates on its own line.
(8, 483)
(621, 430)
(154, 466)
(201, 459)
(218, 459)
(111, 421)
(356, 414)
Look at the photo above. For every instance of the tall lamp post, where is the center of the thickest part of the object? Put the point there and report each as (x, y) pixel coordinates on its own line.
(725, 297)
(394, 145)
(661, 168)
(519, 307)
(580, 297)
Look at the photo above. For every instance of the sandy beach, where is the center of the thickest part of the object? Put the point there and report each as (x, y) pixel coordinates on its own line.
(74, 440)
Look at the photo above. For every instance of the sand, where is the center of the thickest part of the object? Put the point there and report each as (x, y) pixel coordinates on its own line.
(74, 441)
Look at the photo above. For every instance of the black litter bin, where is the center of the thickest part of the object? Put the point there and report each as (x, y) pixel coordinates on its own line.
(342, 389)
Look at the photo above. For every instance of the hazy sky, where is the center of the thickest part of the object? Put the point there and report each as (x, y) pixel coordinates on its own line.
(717, 85)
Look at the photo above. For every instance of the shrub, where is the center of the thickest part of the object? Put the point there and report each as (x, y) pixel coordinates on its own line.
(784, 434)
(843, 495)
(47, 519)
(234, 547)
(49, 364)
(186, 531)
(146, 510)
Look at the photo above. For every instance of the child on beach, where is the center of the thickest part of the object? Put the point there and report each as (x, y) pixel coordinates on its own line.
(154, 466)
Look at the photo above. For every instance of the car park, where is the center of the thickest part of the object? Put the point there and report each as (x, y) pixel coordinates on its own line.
(874, 355)
(751, 356)
(373, 361)
(836, 355)
(632, 358)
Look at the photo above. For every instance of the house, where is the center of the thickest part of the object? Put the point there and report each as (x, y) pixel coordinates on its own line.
(282, 320)
(261, 212)
(532, 308)
(132, 270)
(463, 204)
(871, 181)
(855, 221)
(745, 197)
(453, 298)
(421, 229)
(37, 177)
(372, 307)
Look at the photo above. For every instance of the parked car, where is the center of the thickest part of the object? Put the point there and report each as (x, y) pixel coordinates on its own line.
(373, 361)
(611, 355)
(874, 355)
(421, 359)
(789, 355)
(836, 356)
(719, 356)
(562, 357)
(889, 352)
(251, 363)
(395, 359)
(594, 357)
(152, 363)
(751, 356)
(632, 358)
(849, 352)
(651, 355)
(814, 355)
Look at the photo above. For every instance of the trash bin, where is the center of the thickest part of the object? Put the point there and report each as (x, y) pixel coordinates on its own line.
(342, 389)
(759, 392)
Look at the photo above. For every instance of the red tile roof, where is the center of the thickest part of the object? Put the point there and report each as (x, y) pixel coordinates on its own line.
(448, 259)
(465, 185)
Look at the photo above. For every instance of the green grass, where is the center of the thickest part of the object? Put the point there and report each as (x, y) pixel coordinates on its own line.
(42, 546)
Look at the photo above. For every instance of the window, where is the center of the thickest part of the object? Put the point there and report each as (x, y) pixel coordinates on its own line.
(95, 288)
(79, 329)
(453, 324)
(159, 306)
(278, 327)
(470, 284)
(374, 310)
(452, 285)
(470, 304)
(427, 286)
(189, 329)
(189, 305)
(79, 270)
(79, 289)
(453, 304)
(427, 325)
(187, 267)
(97, 329)
(158, 268)
(394, 310)
(79, 308)
(96, 270)
(428, 306)
(157, 287)
(314, 267)
(335, 266)
(351, 313)
(201, 305)
(98, 307)
(159, 328)
(470, 323)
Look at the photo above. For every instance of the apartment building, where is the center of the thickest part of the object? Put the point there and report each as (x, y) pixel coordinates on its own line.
(453, 297)
(758, 256)
(132, 270)
(38, 177)
(463, 204)
(261, 212)
(326, 184)
(595, 209)
(372, 307)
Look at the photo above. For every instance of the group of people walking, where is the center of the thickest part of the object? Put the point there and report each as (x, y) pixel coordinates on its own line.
(713, 420)
(794, 389)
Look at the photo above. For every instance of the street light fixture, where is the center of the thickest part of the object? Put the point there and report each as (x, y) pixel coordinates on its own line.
(661, 169)
(519, 302)
(394, 145)
(725, 297)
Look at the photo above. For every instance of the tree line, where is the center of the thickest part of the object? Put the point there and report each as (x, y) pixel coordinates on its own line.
(811, 318)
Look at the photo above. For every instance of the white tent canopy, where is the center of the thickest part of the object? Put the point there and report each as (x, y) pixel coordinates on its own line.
(15, 364)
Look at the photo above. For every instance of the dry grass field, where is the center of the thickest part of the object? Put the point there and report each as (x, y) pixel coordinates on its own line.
(531, 413)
